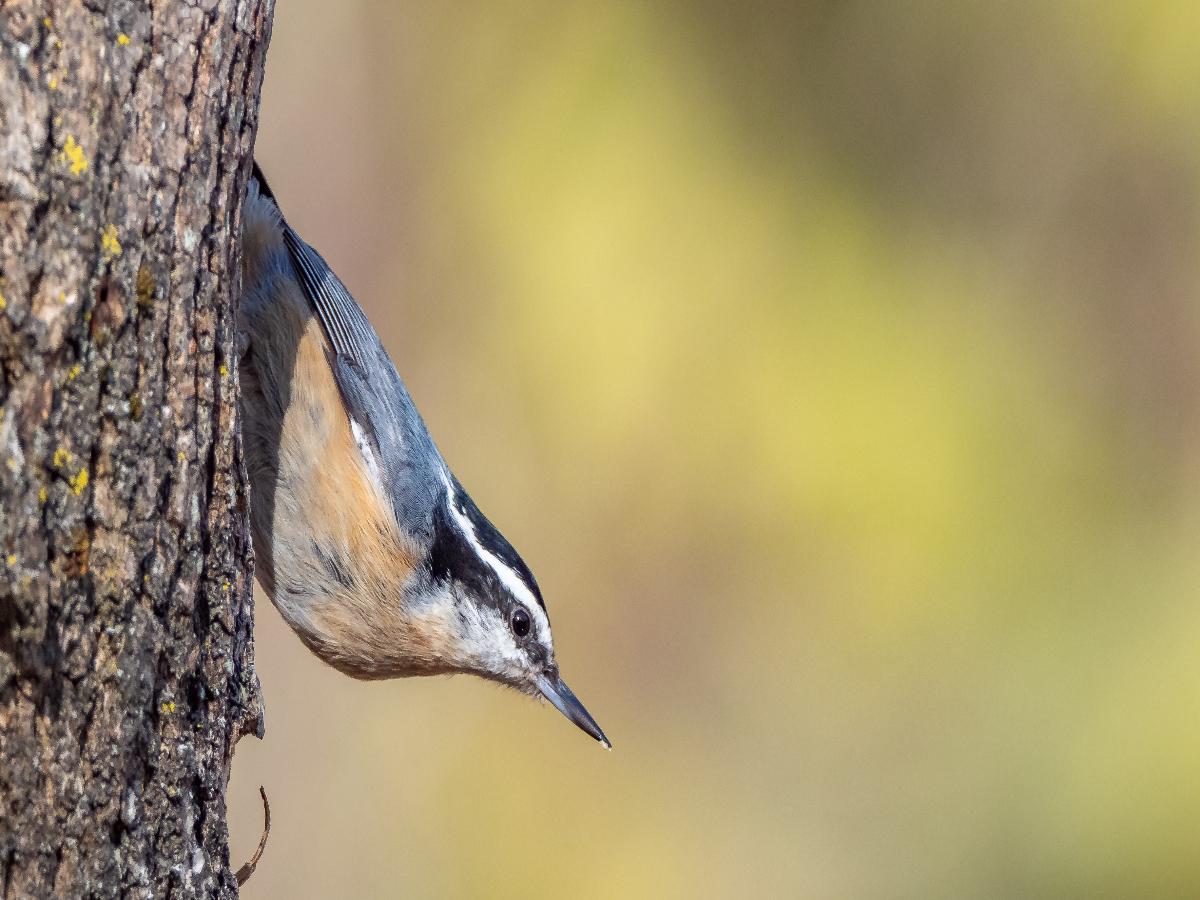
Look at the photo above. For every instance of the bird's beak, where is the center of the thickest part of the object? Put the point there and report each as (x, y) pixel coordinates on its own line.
(556, 691)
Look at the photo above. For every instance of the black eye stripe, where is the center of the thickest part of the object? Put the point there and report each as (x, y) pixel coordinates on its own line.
(493, 541)
(451, 556)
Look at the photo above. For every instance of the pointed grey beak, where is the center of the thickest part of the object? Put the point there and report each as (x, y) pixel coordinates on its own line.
(556, 691)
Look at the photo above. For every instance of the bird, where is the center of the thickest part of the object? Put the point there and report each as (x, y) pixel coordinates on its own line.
(364, 540)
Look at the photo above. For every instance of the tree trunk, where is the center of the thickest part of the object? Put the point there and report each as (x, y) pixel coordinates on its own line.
(126, 655)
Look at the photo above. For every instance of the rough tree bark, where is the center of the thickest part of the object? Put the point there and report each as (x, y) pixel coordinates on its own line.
(126, 657)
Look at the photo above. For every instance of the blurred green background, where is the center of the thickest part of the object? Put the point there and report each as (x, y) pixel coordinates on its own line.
(836, 367)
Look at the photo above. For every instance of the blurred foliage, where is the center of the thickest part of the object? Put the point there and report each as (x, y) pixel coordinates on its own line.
(835, 365)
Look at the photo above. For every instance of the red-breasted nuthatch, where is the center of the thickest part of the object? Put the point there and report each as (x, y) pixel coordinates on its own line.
(364, 539)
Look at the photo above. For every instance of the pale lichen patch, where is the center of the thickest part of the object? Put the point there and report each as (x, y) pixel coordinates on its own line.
(79, 482)
(73, 155)
(109, 244)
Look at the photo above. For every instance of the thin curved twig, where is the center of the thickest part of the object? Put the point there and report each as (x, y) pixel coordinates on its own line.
(244, 873)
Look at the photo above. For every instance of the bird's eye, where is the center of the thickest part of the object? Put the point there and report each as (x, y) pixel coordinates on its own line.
(519, 622)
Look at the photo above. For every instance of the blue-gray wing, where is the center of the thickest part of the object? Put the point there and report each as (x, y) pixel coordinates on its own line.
(375, 396)
(343, 320)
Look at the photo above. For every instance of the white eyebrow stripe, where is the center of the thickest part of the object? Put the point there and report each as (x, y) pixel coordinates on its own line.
(504, 572)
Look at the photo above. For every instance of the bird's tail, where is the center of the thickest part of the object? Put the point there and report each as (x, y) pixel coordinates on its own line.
(263, 251)
(264, 189)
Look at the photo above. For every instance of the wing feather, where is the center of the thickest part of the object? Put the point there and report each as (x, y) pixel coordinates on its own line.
(344, 322)
(375, 397)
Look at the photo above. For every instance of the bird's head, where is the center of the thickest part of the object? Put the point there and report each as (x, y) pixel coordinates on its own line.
(484, 603)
